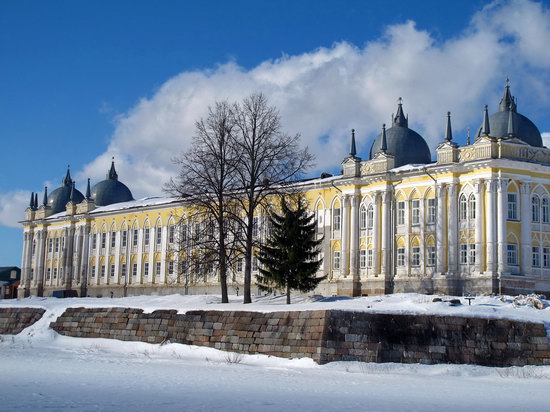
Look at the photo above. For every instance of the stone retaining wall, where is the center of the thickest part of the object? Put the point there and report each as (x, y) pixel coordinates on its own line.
(324, 336)
(14, 320)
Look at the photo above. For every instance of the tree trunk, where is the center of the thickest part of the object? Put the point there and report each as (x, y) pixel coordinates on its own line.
(249, 241)
(288, 293)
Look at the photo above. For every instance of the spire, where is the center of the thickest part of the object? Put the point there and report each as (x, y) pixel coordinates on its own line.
(36, 201)
(485, 129)
(88, 191)
(112, 172)
(384, 144)
(399, 118)
(352, 149)
(45, 200)
(31, 204)
(507, 102)
(468, 137)
(448, 130)
(71, 197)
(510, 132)
(68, 181)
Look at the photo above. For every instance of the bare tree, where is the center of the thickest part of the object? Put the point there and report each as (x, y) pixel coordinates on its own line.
(206, 177)
(268, 159)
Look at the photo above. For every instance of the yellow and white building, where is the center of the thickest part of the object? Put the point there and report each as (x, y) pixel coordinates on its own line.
(477, 220)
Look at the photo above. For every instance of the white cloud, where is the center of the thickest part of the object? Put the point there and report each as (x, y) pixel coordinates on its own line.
(324, 93)
(546, 138)
(12, 207)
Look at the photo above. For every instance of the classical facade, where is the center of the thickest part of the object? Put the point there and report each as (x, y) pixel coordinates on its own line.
(476, 220)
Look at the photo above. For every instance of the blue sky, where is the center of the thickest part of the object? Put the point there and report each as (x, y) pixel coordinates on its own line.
(81, 81)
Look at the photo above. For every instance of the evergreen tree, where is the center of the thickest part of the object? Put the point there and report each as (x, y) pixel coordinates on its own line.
(290, 258)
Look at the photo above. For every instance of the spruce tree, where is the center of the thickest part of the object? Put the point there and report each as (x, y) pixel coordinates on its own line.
(290, 257)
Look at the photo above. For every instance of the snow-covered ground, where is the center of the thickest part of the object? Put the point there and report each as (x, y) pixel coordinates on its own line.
(40, 369)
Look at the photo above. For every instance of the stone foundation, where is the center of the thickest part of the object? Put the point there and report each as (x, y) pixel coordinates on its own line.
(14, 320)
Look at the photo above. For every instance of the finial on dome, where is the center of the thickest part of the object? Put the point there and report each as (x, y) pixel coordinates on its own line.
(399, 119)
(486, 129)
(71, 197)
(45, 200)
(468, 136)
(112, 172)
(68, 181)
(352, 149)
(88, 190)
(510, 131)
(507, 102)
(448, 130)
(384, 143)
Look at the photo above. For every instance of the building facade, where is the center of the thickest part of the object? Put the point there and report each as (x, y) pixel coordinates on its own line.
(475, 221)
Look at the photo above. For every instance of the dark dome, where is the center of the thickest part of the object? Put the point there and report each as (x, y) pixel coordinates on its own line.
(406, 146)
(522, 128)
(110, 190)
(58, 199)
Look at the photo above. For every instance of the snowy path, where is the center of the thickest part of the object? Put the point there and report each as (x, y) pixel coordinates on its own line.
(139, 377)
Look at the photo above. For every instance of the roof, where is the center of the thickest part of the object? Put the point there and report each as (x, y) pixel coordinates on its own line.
(5, 273)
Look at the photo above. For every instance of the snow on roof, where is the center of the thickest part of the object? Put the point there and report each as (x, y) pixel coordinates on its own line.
(409, 168)
(146, 201)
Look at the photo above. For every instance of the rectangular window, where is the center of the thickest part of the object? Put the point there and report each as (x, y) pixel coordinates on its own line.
(536, 256)
(112, 270)
(145, 269)
(50, 245)
(171, 267)
(512, 206)
(93, 271)
(255, 227)
(94, 242)
(55, 273)
(535, 209)
(370, 217)
(157, 269)
(171, 234)
(415, 258)
(401, 213)
(546, 257)
(113, 240)
(545, 211)
(363, 218)
(135, 235)
(56, 245)
(184, 233)
(102, 271)
(159, 235)
(512, 253)
(103, 240)
(430, 256)
(123, 270)
(48, 274)
(63, 243)
(362, 258)
(124, 238)
(254, 264)
(336, 219)
(415, 212)
(240, 262)
(147, 236)
(401, 256)
(463, 254)
(134, 270)
(431, 211)
(336, 258)
(369, 258)
(472, 254)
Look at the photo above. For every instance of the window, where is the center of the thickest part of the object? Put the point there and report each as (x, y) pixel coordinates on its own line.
(545, 211)
(146, 269)
(50, 245)
(33, 247)
(32, 274)
(103, 240)
(240, 262)
(55, 273)
(512, 206)
(415, 258)
(336, 219)
(123, 270)
(56, 245)
(159, 235)
(135, 238)
(184, 233)
(171, 267)
(93, 271)
(463, 254)
(363, 218)
(255, 226)
(472, 207)
(336, 258)
(113, 240)
(472, 254)
(401, 256)
(254, 264)
(536, 256)
(431, 256)
(462, 208)
(535, 209)
(415, 212)
(147, 236)
(112, 270)
(94, 242)
(369, 258)
(400, 213)
(546, 257)
(157, 269)
(102, 271)
(48, 274)
(134, 270)
(370, 217)
(362, 258)
(124, 238)
(171, 234)
(431, 211)
(512, 253)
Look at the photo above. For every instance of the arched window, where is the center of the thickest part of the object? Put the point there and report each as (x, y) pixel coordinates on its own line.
(535, 209)
(336, 219)
(370, 217)
(363, 217)
(462, 207)
(472, 207)
(545, 210)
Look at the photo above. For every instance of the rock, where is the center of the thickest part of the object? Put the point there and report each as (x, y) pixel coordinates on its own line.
(437, 300)
(455, 302)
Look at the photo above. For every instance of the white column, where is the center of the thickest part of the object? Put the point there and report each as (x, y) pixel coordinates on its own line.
(139, 257)
(525, 218)
(502, 216)
(453, 228)
(480, 199)
(345, 235)
(77, 255)
(440, 232)
(354, 237)
(42, 234)
(386, 236)
(376, 234)
(84, 269)
(97, 258)
(490, 225)
(163, 255)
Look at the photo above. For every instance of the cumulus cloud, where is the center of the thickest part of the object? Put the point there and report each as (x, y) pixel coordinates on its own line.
(324, 93)
(12, 207)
